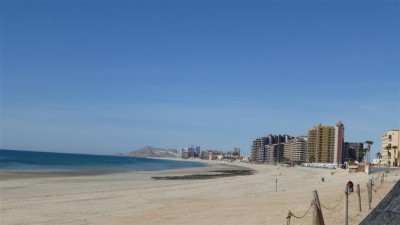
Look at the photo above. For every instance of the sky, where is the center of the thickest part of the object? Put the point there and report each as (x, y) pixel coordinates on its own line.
(102, 77)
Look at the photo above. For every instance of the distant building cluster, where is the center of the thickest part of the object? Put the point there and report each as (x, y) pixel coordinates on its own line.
(219, 155)
(189, 152)
(323, 144)
(195, 152)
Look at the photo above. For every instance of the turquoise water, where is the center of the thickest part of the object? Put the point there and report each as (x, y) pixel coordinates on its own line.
(49, 161)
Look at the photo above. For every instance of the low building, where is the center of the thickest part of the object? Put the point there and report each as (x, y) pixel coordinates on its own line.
(211, 155)
(390, 148)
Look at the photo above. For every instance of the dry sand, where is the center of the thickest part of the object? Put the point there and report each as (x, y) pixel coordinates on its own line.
(135, 198)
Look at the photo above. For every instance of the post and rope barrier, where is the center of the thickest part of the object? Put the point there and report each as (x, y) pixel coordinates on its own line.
(317, 218)
(290, 214)
(346, 206)
(359, 197)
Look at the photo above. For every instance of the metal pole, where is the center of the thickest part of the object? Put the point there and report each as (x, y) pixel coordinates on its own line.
(276, 184)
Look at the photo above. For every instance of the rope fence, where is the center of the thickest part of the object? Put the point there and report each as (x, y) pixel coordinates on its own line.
(290, 214)
(317, 215)
(333, 207)
(376, 192)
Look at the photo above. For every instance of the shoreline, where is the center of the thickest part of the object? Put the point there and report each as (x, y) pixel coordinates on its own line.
(208, 171)
(120, 198)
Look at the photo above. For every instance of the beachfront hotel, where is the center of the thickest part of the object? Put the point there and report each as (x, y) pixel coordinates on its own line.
(268, 149)
(320, 144)
(390, 148)
(295, 149)
(189, 152)
(257, 145)
(338, 144)
(352, 151)
(325, 144)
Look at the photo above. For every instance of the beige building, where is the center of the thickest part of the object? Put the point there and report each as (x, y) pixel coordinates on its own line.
(320, 147)
(390, 148)
(256, 147)
(295, 149)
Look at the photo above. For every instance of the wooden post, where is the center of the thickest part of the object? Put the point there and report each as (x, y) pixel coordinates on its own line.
(346, 206)
(276, 184)
(369, 194)
(359, 197)
(318, 218)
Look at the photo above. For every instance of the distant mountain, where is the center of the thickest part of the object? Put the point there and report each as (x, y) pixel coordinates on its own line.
(149, 151)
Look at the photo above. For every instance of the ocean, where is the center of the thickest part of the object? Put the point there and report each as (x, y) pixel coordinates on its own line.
(13, 160)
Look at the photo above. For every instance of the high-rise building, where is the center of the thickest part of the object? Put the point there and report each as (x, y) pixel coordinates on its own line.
(236, 151)
(197, 152)
(274, 153)
(390, 148)
(339, 143)
(260, 153)
(257, 145)
(352, 151)
(189, 152)
(320, 147)
(295, 149)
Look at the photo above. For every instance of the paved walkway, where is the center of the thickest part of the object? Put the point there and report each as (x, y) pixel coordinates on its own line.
(388, 210)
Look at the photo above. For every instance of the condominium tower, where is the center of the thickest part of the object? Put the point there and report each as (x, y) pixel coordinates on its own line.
(268, 149)
(295, 149)
(320, 145)
(352, 151)
(338, 145)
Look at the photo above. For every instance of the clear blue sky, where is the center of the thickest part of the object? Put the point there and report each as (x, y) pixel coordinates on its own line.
(113, 76)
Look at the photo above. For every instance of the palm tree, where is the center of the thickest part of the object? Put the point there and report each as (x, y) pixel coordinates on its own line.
(387, 148)
(378, 155)
(362, 154)
(369, 143)
(395, 156)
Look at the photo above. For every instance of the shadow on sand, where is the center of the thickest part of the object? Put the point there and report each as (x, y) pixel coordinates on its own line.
(215, 174)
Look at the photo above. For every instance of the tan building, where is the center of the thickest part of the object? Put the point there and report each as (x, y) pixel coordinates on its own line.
(320, 147)
(256, 147)
(390, 148)
(295, 149)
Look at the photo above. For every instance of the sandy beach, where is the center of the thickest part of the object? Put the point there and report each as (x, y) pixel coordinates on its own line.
(136, 198)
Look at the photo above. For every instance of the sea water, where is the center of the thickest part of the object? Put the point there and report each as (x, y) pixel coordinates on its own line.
(59, 162)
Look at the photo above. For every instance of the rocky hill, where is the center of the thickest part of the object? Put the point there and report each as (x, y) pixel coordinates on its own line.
(149, 151)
